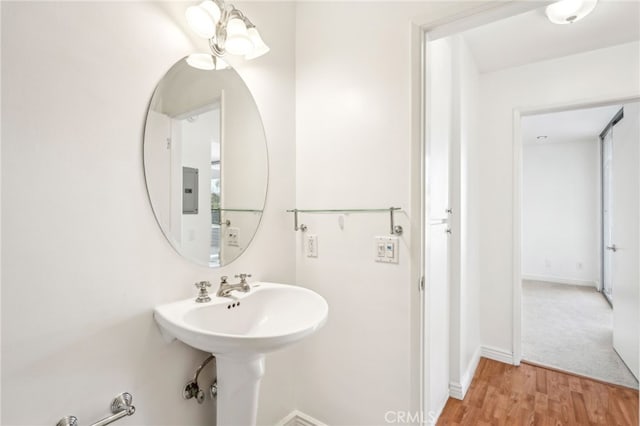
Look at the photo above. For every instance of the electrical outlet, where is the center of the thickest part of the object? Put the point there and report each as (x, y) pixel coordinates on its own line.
(232, 236)
(311, 245)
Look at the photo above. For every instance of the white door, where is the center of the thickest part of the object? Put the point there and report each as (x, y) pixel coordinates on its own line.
(625, 230)
(436, 302)
(157, 165)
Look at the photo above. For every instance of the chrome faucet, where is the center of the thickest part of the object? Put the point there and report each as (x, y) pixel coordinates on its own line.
(226, 288)
(203, 295)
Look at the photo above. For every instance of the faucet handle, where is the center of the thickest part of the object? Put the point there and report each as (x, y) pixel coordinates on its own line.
(203, 295)
(243, 277)
(202, 285)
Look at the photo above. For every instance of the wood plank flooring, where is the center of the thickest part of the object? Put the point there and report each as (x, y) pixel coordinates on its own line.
(503, 394)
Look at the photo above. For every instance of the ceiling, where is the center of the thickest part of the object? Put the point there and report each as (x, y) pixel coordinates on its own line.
(567, 126)
(530, 37)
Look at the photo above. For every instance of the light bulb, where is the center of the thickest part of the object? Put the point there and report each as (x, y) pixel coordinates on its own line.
(569, 11)
(259, 46)
(237, 41)
(203, 18)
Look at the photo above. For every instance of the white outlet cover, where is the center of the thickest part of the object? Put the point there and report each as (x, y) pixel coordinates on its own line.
(232, 236)
(311, 245)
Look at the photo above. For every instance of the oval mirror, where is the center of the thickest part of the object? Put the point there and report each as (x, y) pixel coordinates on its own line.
(205, 163)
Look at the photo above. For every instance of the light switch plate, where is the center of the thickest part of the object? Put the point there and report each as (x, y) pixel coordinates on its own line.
(386, 249)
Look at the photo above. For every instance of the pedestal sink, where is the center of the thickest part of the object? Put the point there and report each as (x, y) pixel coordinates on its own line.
(239, 331)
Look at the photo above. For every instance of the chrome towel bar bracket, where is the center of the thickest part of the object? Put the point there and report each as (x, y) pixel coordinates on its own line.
(120, 407)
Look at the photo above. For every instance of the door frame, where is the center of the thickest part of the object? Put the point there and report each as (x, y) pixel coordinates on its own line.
(609, 127)
(518, 113)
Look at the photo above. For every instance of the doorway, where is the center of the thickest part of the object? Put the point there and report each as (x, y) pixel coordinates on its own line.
(483, 249)
(573, 182)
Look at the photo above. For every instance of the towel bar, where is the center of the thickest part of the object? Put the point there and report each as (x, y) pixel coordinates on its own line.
(120, 407)
(393, 228)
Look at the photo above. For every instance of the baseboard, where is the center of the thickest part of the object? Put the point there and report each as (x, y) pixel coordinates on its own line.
(560, 280)
(459, 390)
(298, 418)
(496, 354)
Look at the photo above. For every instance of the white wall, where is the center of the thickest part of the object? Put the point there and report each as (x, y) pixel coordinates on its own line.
(605, 73)
(560, 202)
(358, 147)
(352, 135)
(84, 261)
(243, 173)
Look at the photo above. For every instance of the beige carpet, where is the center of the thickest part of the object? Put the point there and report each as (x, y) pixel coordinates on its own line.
(570, 328)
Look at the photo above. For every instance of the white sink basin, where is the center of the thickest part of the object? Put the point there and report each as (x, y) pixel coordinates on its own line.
(267, 318)
(239, 330)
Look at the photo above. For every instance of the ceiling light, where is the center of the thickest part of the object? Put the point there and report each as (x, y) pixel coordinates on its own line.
(227, 29)
(569, 11)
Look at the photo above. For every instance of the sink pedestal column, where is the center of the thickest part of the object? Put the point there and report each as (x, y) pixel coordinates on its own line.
(238, 379)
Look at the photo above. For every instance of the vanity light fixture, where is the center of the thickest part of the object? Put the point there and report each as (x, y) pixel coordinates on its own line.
(569, 11)
(227, 29)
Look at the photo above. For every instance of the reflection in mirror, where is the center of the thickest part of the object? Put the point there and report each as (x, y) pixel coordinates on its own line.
(205, 161)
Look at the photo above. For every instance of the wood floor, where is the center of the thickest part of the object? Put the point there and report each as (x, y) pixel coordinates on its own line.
(502, 394)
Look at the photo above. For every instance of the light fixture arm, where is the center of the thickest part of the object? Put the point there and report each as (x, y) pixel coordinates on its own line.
(226, 28)
(215, 46)
(216, 43)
